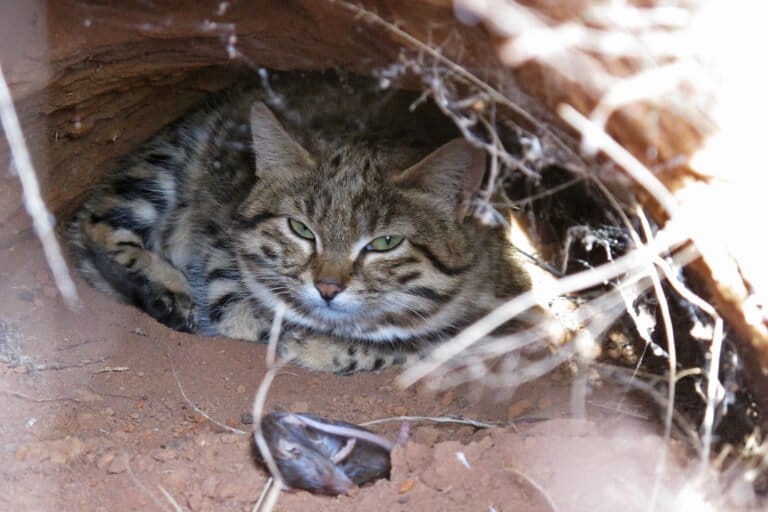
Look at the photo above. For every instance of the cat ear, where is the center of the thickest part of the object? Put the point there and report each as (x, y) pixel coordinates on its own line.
(452, 173)
(277, 154)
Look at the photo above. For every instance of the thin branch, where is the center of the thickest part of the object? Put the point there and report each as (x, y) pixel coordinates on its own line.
(196, 408)
(16, 394)
(374, 18)
(264, 492)
(433, 419)
(533, 483)
(632, 261)
(273, 367)
(672, 365)
(595, 138)
(33, 200)
(171, 499)
(715, 350)
(482, 85)
(143, 488)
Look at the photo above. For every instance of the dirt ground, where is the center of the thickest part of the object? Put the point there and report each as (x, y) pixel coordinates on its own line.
(93, 419)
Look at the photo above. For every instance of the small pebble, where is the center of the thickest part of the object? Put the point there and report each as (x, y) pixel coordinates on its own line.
(227, 490)
(88, 420)
(544, 402)
(163, 454)
(360, 402)
(21, 453)
(407, 486)
(240, 389)
(246, 418)
(140, 463)
(174, 443)
(229, 438)
(400, 410)
(425, 435)
(105, 460)
(195, 499)
(518, 408)
(176, 477)
(41, 276)
(208, 487)
(117, 465)
(300, 406)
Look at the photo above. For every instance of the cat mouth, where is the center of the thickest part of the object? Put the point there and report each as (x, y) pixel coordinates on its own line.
(332, 314)
(339, 310)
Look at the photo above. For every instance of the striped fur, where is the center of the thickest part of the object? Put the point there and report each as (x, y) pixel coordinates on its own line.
(193, 227)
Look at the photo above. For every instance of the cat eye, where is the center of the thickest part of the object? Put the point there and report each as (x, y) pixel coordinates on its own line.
(301, 229)
(384, 243)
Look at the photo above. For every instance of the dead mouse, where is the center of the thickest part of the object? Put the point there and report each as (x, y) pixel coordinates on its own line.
(324, 456)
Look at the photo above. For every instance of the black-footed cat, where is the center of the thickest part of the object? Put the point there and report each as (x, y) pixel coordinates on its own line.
(329, 197)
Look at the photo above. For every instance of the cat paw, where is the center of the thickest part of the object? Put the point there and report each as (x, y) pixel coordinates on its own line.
(324, 353)
(318, 353)
(355, 359)
(172, 309)
(291, 346)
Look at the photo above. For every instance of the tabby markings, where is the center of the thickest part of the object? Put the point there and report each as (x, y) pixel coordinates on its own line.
(439, 265)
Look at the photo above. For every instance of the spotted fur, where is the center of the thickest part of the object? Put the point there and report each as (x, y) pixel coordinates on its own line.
(194, 226)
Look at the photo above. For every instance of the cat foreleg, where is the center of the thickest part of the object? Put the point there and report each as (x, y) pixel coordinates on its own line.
(321, 352)
(116, 261)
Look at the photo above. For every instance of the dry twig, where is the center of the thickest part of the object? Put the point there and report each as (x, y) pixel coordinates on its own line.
(273, 367)
(33, 200)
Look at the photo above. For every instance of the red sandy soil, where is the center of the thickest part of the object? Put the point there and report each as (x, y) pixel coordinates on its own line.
(93, 419)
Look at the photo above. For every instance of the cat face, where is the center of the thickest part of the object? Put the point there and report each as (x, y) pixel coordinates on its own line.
(348, 247)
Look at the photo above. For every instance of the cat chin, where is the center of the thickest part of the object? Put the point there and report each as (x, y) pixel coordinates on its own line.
(329, 314)
(321, 318)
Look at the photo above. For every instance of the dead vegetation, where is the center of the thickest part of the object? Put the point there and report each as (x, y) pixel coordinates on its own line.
(601, 130)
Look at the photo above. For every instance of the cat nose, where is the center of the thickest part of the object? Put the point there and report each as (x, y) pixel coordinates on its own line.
(328, 289)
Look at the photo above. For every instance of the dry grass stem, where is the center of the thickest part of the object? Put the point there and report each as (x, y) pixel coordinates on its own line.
(196, 408)
(264, 492)
(143, 488)
(628, 378)
(482, 85)
(171, 499)
(533, 483)
(433, 419)
(33, 200)
(39, 400)
(633, 262)
(669, 332)
(594, 138)
(273, 367)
